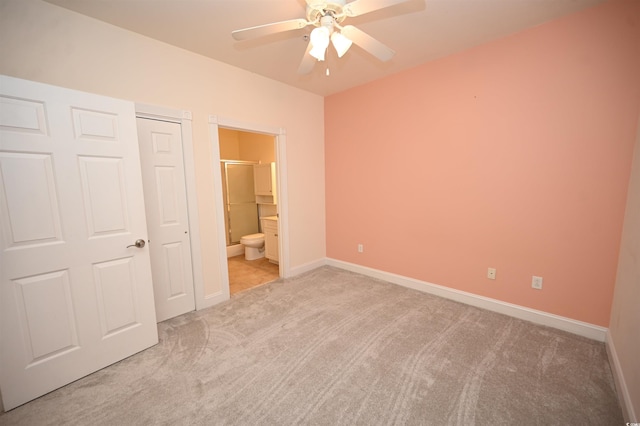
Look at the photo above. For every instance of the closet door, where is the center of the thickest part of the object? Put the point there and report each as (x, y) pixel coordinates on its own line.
(165, 197)
(75, 289)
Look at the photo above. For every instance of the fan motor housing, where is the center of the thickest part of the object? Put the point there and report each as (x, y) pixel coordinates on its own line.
(316, 10)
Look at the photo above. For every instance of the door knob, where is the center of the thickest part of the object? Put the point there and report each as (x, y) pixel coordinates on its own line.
(138, 243)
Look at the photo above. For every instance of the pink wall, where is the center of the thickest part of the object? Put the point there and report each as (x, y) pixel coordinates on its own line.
(515, 155)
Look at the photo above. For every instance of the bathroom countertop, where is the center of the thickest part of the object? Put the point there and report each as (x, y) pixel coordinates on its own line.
(270, 217)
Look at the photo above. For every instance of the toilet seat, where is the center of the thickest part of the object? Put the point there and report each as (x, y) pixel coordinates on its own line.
(252, 237)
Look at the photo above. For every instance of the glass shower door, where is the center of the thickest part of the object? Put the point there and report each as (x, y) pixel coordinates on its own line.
(241, 202)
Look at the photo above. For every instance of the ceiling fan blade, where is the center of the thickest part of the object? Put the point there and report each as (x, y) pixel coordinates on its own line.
(360, 7)
(316, 4)
(308, 62)
(368, 43)
(263, 30)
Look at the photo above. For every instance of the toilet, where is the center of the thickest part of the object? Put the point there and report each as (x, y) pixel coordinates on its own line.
(253, 246)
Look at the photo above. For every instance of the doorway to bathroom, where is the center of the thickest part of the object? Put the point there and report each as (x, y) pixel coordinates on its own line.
(249, 214)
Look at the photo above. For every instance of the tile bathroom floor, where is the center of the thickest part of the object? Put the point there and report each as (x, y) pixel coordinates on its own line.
(245, 274)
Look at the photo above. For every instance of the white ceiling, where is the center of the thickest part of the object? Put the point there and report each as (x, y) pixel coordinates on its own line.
(418, 30)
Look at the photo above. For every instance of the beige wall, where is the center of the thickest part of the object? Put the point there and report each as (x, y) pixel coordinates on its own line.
(257, 147)
(625, 312)
(46, 43)
(229, 144)
(246, 146)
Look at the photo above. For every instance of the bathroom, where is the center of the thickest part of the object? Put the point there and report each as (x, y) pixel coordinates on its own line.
(251, 211)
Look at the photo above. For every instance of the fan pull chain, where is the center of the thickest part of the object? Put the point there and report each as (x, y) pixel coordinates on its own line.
(326, 71)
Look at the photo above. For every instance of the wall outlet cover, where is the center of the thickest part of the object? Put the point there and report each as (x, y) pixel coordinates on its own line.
(491, 273)
(536, 282)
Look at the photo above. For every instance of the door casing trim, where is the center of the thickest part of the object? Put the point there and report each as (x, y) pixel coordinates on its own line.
(280, 137)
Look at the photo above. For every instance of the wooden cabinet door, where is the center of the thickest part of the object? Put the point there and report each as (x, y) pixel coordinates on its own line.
(271, 240)
(262, 179)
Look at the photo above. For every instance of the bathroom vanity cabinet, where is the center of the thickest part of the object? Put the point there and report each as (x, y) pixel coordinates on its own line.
(270, 230)
(264, 183)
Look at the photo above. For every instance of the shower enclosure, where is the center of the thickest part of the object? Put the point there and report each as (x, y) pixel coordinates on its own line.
(241, 210)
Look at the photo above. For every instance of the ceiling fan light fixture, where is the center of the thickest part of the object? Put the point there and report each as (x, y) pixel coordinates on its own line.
(327, 17)
(318, 53)
(319, 41)
(341, 43)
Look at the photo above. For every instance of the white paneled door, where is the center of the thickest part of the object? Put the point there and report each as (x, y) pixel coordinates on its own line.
(167, 216)
(75, 291)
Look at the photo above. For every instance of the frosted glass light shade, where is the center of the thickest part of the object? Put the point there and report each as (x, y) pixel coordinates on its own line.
(340, 43)
(319, 42)
(318, 52)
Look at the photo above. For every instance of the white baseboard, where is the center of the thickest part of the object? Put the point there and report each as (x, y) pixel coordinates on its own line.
(306, 267)
(621, 386)
(539, 317)
(212, 299)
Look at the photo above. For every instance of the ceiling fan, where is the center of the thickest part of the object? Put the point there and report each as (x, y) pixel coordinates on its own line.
(327, 17)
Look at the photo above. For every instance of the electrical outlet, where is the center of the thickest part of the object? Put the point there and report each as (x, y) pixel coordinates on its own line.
(536, 282)
(360, 248)
(491, 273)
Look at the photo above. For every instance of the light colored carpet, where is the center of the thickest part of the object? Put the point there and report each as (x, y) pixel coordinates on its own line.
(331, 347)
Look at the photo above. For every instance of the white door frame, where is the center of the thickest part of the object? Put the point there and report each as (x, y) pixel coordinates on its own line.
(183, 118)
(279, 134)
